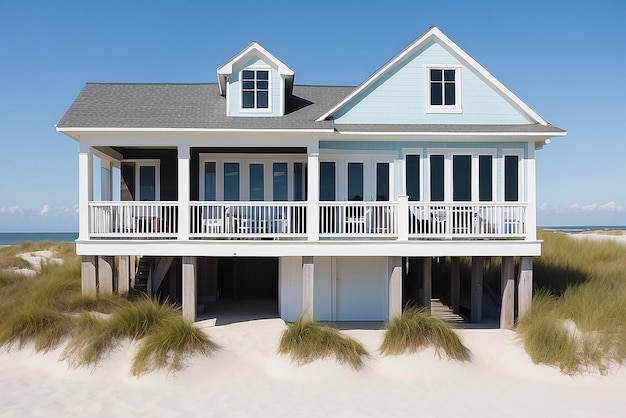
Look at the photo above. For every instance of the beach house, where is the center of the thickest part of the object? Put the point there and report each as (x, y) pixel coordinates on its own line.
(339, 203)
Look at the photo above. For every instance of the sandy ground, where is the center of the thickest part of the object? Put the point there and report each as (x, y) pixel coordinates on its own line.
(246, 378)
(36, 260)
(600, 236)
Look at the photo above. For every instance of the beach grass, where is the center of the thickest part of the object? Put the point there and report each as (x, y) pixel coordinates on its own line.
(578, 317)
(306, 341)
(415, 329)
(49, 310)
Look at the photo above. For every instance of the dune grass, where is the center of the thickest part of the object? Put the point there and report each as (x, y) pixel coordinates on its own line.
(306, 341)
(48, 310)
(578, 318)
(415, 329)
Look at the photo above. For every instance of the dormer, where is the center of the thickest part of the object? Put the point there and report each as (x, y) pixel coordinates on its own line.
(255, 83)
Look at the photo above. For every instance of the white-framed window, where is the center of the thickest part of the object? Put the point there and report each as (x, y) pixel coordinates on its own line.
(255, 90)
(443, 88)
(147, 180)
(513, 175)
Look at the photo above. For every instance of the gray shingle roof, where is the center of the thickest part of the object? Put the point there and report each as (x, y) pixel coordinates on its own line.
(199, 106)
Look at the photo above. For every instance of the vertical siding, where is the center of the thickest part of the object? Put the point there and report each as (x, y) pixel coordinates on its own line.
(234, 98)
(400, 96)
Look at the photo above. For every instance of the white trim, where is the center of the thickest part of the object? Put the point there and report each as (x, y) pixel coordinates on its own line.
(434, 34)
(102, 129)
(452, 133)
(443, 108)
(157, 173)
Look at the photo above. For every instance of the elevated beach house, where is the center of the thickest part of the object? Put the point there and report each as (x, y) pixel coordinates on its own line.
(340, 203)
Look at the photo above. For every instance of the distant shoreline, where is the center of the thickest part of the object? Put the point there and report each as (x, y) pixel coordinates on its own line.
(14, 238)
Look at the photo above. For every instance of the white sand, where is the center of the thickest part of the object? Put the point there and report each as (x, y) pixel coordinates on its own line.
(597, 236)
(36, 259)
(247, 379)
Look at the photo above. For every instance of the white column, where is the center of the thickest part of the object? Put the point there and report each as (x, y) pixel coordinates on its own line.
(476, 296)
(507, 284)
(85, 188)
(189, 288)
(183, 191)
(427, 280)
(531, 187)
(395, 287)
(308, 287)
(524, 286)
(123, 274)
(313, 192)
(105, 275)
(403, 218)
(88, 282)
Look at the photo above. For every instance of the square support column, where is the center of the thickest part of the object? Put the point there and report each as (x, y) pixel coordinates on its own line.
(189, 288)
(427, 280)
(308, 288)
(313, 193)
(403, 218)
(395, 287)
(455, 283)
(184, 155)
(85, 188)
(524, 286)
(88, 275)
(123, 274)
(507, 311)
(476, 296)
(106, 266)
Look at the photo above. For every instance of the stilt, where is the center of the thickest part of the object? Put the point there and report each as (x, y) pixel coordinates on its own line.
(105, 275)
(524, 286)
(395, 287)
(308, 271)
(428, 282)
(507, 311)
(476, 309)
(123, 274)
(455, 283)
(88, 276)
(189, 288)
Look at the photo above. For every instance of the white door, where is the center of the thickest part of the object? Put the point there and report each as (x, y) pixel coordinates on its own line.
(362, 291)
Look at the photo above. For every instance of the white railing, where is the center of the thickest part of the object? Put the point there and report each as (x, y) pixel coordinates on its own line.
(133, 219)
(288, 220)
(467, 220)
(358, 219)
(248, 220)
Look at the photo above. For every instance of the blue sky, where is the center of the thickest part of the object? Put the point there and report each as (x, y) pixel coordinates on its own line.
(565, 59)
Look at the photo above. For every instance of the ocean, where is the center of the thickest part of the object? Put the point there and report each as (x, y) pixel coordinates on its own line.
(11, 238)
(575, 229)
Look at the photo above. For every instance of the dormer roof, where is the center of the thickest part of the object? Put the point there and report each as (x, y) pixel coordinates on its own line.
(254, 49)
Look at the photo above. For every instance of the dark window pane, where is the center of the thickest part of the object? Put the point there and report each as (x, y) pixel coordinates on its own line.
(511, 193)
(435, 75)
(231, 181)
(248, 85)
(448, 75)
(485, 178)
(247, 75)
(248, 100)
(450, 94)
(355, 181)
(462, 178)
(327, 181)
(436, 178)
(280, 189)
(435, 94)
(210, 180)
(147, 183)
(257, 189)
(262, 102)
(262, 75)
(298, 182)
(261, 85)
(382, 181)
(413, 177)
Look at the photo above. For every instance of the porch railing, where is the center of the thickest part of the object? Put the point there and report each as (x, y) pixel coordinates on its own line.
(133, 219)
(288, 220)
(248, 220)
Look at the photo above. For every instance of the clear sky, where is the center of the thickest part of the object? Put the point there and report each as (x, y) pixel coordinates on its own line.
(565, 59)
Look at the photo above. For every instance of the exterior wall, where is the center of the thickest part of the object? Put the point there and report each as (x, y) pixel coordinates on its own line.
(400, 97)
(323, 293)
(290, 288)
(234, 90)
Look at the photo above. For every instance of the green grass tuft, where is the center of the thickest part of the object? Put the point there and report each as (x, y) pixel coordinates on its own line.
(415, 330)
(306, 341)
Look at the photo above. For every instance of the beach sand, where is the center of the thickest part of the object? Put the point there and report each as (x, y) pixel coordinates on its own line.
(246, 378)
(616, 236)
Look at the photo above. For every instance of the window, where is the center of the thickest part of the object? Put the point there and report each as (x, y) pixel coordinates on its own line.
(437, 178)
(210, 181)
(485, 178)
(327, 181)
(299, 182)
(511, 178)
(355, 181)
(257, 182)
(413, 177)
(382, 182)
(280, 187)
(443, 90)
(462, 178)
(231, 181)
(255, 89)
(147, 183)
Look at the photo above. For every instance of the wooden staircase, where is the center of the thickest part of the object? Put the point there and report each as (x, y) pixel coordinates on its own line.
(142, 276)
(150, 273)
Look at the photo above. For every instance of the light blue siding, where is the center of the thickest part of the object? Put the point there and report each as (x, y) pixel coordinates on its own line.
(234, 97)
(400, 97)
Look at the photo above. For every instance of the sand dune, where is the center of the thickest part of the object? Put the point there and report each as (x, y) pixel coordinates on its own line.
(246, 378)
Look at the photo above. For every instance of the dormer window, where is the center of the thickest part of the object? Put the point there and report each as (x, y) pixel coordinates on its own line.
(443, 90)
(255, 89)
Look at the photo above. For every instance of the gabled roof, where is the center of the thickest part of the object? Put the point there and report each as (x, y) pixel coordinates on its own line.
(253, 49)
(433, 34)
